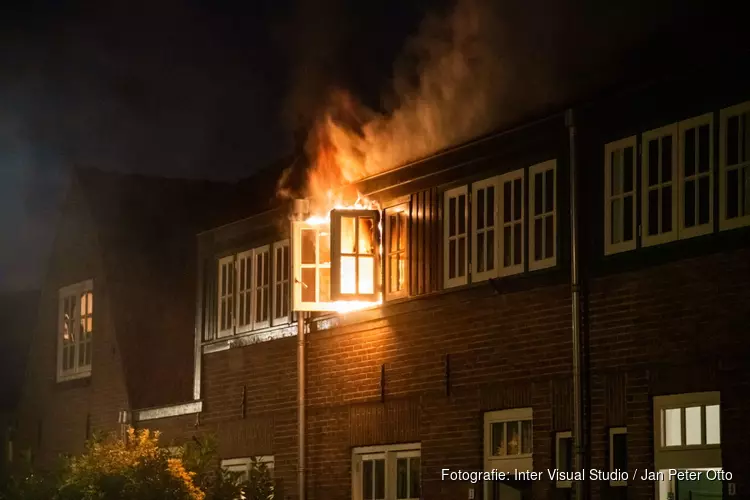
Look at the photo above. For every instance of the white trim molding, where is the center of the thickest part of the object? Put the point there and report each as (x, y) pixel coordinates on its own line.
(167, 411)
(660, 185)
(742, 113)
(546, 212)
(615, 193)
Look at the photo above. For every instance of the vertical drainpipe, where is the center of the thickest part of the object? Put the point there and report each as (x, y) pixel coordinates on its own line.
(300, 210)
(578, 438)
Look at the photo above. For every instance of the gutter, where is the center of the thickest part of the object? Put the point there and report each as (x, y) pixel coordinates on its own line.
(579, 441)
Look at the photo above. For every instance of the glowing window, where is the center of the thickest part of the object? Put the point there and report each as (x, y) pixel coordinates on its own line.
(396, 265)
(76, 328)
(312, 266)
(356, 252)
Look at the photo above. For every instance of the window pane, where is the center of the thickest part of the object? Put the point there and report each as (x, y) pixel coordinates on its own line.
(325, 285)
(379, 480)
(666, 158)
(689, 152)
(402, 478)
(452, 217)
(393, 232)
(513, 438)
(713, 425)
(366, 235)
(538, 239)
(507, 201)
(616, 222)
(745, 190)
(348, 230)
(619, 452)
(415, 474)
(689, 203)
(480, 209)
(498, 439)
(403, 224)
(461, 214)
(628, 170)
(704, 208)
(308, 284)
(490, 249)
(732, 194)
(517, 199)
(324, 240)
(616, 173)
(549, 191)
(653, 162)
(703, 148)
(507, 246)
(666, 203)
(308, 246)
(745, 137)
(733, 133)
(348, 275)
(693, 425)
(366, 275)
(538, 196)
(461, 256)
(491, 206)
(367, 476)
(627, 224)
(526, 437)
(480, 252)
(452, 259)
(517, 241)
(673, 427)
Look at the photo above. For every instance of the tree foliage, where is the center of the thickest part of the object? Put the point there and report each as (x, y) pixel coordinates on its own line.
(136, 467)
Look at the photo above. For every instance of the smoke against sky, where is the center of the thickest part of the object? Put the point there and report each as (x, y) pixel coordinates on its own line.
(218, 89)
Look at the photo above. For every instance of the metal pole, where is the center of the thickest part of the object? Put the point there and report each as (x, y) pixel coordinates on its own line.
(578, 441)
(301, 401)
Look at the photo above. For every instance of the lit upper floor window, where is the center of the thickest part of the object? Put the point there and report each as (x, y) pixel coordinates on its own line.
(396, 266)
(75, 330)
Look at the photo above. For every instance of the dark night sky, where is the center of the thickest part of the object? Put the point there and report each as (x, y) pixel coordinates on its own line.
(212, 89)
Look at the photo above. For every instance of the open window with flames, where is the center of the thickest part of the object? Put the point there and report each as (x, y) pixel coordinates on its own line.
(337, 261)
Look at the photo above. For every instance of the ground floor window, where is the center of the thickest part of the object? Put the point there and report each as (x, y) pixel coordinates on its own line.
(687, 446)
(509, 489)
(253, 473)
(391, 472)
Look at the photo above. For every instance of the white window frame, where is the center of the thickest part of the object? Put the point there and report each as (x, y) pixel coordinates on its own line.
(500, 223)
(276, 281)
(79, 370)
(615, 431)
(398, 210)
(662, 237)
(484, 185)
(612, 147)
(390, 454)
(297, 303)
(559, 436)
(248, 256)
(684, 456)
(683, 127)
(552, 260)
(522, 461)
(257, 289)
(743, 220)
(458, 280)
(221, 308)
(244, 464)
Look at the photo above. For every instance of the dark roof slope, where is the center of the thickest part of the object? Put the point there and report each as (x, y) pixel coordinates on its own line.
(146, 229)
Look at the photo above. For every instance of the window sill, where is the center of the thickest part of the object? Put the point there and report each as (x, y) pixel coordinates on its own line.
(248, 338)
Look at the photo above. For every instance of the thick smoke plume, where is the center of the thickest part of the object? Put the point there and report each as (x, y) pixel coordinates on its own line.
(446, 90)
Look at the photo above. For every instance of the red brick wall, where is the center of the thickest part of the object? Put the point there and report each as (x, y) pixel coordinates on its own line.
(657, 330)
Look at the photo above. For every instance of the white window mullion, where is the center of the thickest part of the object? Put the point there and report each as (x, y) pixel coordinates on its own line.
(455, 251)
(244, 276)
(260, 287)
(543, 215)
(695, 162)
(734, 167)
(280, 282)
(619, 195)
(511, 247)
(484, 231)
(660, 187)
